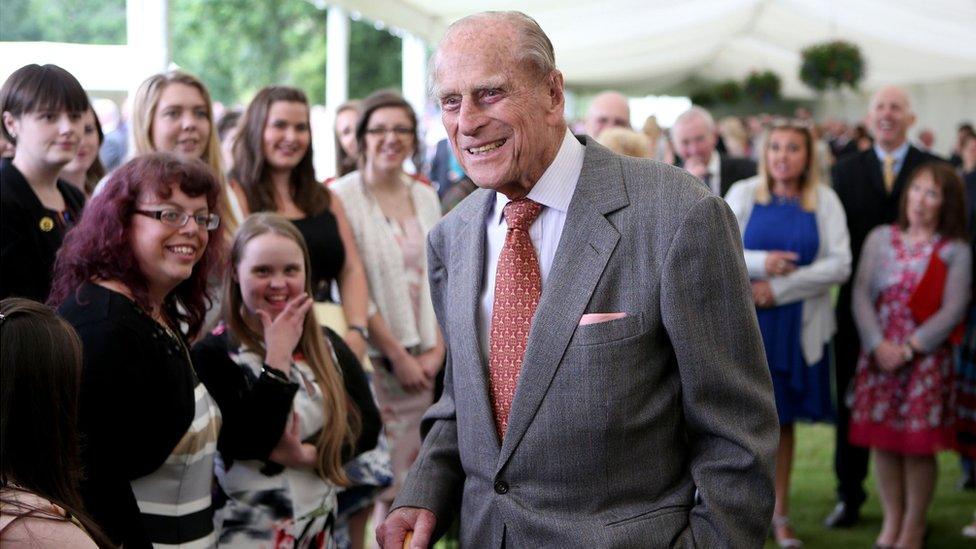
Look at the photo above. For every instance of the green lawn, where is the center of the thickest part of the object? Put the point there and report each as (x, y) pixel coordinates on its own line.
(812, 497)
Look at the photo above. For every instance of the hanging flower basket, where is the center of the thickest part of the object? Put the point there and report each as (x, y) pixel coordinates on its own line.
(762, 87)
(832, 65)
(702, 97)
(728, 91)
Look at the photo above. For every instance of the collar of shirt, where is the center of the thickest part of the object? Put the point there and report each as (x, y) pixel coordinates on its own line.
(558, 183)
(898, 154)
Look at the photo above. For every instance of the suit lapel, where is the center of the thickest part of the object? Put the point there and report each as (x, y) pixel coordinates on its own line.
(585, 246)
(468, 247)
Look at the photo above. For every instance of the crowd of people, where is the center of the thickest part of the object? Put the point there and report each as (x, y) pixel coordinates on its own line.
(234, 352)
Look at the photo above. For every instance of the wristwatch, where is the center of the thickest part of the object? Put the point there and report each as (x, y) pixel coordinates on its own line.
(907, 353)
(361, 329)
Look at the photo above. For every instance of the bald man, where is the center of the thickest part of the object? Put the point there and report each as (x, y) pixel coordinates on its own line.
(694, 139)
(608, 109)
(869, 185)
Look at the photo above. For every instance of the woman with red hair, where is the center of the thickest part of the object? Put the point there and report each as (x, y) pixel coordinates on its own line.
(131, 278)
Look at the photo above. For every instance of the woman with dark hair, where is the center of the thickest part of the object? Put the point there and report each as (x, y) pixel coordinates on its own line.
(86, 170)
(796, 248)
(42, 109)
(270, 328)
(910, 295)
(273, 173)
(131, 278)
(391, 214)
(39, 465)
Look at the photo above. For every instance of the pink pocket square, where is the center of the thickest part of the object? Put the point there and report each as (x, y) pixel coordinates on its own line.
(596, 318)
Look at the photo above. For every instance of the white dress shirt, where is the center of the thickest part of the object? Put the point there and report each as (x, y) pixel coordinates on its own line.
(715, 171)
(554, 190)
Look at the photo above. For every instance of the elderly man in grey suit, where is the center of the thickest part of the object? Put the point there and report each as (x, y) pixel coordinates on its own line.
(604, 360)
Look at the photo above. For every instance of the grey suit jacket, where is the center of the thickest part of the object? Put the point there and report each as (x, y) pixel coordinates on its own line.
(613, 425)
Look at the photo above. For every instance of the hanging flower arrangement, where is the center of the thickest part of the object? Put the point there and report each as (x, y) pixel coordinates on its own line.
(762, 87)
(832, 65)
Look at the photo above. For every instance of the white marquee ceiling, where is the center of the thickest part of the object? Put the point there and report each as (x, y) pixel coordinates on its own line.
(651, 46)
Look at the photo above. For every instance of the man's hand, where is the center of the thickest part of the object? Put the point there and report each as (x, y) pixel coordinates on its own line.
(696, 168)
(390, 534)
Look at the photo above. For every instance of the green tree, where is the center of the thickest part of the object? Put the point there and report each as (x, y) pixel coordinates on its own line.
(375, 59)
(75, 21)
(240, 46)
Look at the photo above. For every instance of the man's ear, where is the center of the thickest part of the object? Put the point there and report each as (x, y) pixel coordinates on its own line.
(557, 94)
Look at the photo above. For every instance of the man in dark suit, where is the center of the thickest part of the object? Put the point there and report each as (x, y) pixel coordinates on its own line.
(591, 386)
(694, 139)
(869, 185)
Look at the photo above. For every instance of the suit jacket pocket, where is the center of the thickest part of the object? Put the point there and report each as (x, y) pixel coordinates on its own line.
(605, 332)
(652, 514)
(657, 528)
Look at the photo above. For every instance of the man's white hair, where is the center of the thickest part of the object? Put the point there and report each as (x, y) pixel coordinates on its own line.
(535, 49)
(693, 113)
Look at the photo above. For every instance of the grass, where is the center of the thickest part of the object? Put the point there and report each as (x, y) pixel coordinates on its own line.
(812, 496)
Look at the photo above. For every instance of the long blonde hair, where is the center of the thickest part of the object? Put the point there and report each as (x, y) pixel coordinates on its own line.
(341, 420)
(809, 179)
(144, 106)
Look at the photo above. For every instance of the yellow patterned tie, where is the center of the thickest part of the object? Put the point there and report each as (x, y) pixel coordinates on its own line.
(889, 173)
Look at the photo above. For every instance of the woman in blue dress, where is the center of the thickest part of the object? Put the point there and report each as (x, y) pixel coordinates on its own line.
(796, 244)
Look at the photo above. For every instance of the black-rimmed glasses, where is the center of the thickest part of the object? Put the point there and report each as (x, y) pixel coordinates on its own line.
(178, 219)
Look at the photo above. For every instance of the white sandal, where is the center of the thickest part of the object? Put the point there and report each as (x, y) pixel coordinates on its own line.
(780, 521)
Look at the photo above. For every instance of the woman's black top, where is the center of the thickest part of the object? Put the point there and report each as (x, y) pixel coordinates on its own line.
(30, 234)
(231, 385)
(137, 402)
(327, 254)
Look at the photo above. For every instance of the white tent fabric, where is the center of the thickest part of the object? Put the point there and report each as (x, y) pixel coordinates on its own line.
(650, 46)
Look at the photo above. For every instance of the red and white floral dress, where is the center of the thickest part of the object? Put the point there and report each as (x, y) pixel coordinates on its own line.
(911, 410)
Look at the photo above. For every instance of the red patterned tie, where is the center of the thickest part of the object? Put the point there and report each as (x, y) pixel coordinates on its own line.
(518, 285)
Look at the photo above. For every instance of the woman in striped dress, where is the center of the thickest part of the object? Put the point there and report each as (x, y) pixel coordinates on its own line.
(131, 279)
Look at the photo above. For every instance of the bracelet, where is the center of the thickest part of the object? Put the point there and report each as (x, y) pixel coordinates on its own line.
(275, 373)
(361, 329)
(907, 352)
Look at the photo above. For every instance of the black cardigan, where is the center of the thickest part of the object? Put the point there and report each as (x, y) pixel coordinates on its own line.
(231, 385)
(28, 251)
(137, 402)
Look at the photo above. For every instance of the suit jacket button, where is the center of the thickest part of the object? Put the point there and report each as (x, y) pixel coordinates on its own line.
(501, 487)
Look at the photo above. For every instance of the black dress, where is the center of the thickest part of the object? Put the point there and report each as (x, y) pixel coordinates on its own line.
(141, 410)
(327, 254)
(30, 234)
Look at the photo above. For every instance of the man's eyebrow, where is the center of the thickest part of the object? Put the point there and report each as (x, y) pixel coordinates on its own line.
(485, 85)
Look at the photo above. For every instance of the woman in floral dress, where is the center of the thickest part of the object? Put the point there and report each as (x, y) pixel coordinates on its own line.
(910, 295)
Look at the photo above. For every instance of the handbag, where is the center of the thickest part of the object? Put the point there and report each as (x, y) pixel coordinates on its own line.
(926, 300)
